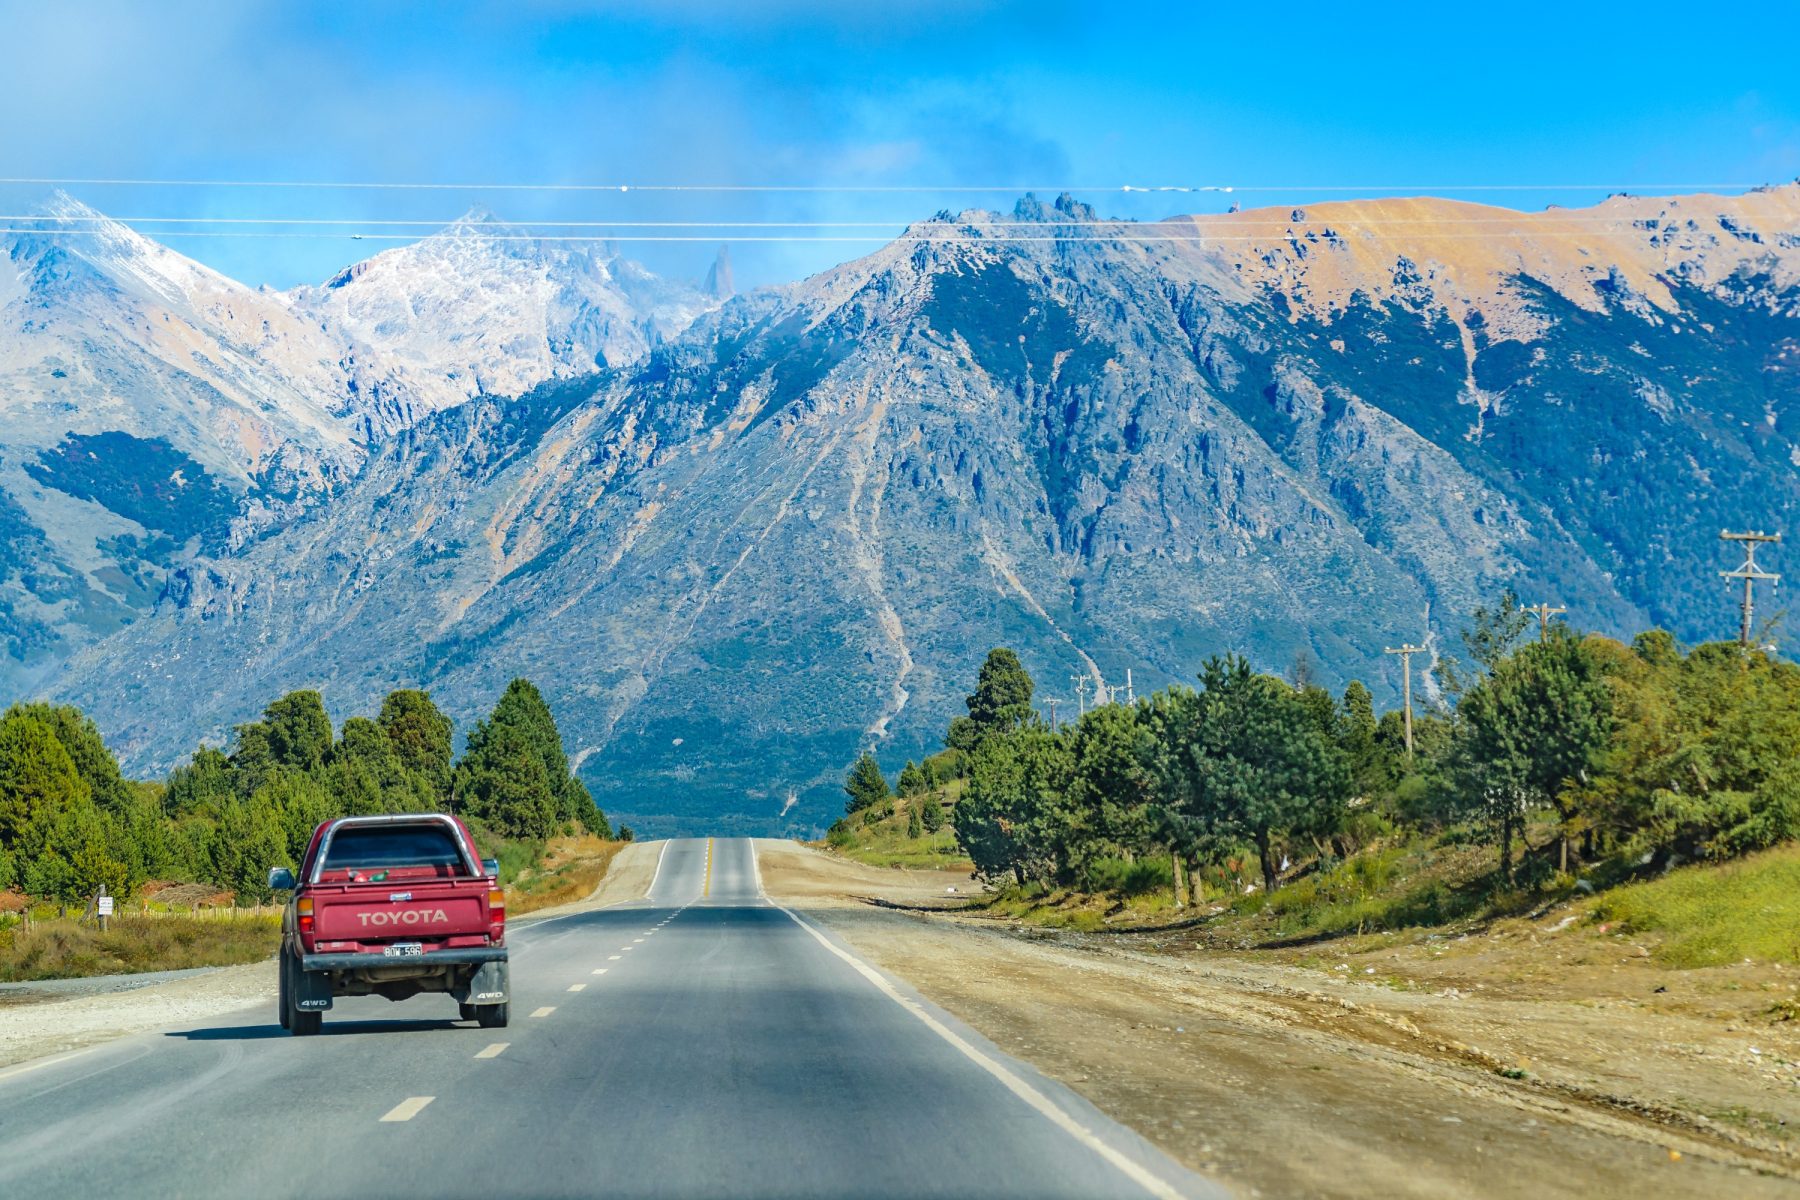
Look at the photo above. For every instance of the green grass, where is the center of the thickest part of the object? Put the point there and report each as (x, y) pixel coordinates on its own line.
(1707, 916)
(886, 844)
(68, 949)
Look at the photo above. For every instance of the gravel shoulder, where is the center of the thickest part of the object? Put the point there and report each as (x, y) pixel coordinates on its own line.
(1281, 1080)
(57, 1016)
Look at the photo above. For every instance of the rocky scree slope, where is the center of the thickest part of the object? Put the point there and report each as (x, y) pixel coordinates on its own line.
(794, 529)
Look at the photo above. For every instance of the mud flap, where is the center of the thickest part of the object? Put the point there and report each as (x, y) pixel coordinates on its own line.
(488, 985)
(312, 990)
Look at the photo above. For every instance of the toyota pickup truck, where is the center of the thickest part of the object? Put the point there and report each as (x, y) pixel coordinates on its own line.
(392, 906)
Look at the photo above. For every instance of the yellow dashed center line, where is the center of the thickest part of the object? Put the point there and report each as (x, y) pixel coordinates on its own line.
(407, 1109)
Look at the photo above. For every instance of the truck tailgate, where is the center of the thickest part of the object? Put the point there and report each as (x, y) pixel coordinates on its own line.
(406, 911)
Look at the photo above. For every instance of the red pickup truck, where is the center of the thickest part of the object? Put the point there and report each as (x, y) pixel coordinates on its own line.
(392, 906)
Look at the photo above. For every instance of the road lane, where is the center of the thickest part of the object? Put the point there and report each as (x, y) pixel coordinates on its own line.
(719, 1049)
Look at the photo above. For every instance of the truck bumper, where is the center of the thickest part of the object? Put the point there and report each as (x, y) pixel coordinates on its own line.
(454, 957)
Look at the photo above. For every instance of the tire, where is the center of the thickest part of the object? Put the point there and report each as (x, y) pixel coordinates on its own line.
(493, 1016)
(284, 999)
(467, 1012)
(301, 1023)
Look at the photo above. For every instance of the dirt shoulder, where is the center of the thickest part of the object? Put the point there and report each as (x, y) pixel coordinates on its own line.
(58, 1016)
(1287, 1080)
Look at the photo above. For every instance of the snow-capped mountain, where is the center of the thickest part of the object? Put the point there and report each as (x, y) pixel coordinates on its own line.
(794, 529)
(152, 409)
(485, 308)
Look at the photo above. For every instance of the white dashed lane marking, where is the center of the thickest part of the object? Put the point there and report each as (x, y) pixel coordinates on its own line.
(494, 1051)
(576, 987)
(545, 1011)
(408, 1108)
(612, 958)
(599, 970)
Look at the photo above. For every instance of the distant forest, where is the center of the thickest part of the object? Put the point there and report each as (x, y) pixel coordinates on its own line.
(71, 823)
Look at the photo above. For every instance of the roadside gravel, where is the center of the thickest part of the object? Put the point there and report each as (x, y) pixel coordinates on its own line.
(1284, 1081)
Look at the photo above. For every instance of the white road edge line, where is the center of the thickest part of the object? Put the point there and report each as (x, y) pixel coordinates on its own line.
(1136, 1172)
(408, 1108)
(494, 1051)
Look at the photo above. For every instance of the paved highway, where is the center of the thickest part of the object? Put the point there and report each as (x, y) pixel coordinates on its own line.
(700, 1042)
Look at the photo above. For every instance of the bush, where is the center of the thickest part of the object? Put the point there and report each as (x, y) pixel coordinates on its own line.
(1127, 878)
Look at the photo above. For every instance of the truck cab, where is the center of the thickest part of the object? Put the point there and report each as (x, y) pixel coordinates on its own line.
(392, 906)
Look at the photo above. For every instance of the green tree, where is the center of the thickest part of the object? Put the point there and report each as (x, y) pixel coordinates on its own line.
(421, 736)
(932, 818)
(912, 780)
(1253, 764)
(915, 821)
(250, 839)
(38, 784)
(1013, 818)
(1112, 785)
(1530, 731)
(864, 784)
(501, 781)
(201, 787)
(1002, 698)
(299, 731)
(87, 750)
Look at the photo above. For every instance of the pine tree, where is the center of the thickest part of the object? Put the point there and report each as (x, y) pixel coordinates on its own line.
(421, 735)
(38, 784)
(1002, 697)
(865, 784)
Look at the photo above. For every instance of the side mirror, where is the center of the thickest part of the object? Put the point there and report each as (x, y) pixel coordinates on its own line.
(281, 879)
(491, 867)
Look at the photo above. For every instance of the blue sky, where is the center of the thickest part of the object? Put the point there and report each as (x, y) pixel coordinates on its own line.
(928, 94)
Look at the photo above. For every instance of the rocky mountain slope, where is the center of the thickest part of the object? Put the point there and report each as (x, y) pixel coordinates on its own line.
(795, 528)
(153, 411)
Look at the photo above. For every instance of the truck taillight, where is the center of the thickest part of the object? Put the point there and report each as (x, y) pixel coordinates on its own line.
(496, 914)
(303, 908)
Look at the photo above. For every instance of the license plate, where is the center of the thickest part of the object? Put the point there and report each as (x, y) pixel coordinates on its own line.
(403, 950)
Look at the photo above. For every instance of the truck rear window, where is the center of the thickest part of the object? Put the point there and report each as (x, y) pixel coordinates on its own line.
(392, 846)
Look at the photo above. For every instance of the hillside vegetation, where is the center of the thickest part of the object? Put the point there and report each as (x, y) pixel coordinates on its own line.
(1630, 780)
(72, 825)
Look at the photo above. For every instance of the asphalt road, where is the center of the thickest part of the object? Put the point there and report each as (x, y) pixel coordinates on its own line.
(701, 1042)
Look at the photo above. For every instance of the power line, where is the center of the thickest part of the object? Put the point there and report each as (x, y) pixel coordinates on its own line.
(393, 185)
(953, 236)
(1750, 573)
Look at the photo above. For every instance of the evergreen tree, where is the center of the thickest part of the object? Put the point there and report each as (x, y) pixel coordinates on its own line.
(93, 761)
(1530, 731)
(915, 822)
(1013, 818)
(932, 818)
(501, 781)
(299, 732)
(1251, 763)
(421, 735)
(38, 784)
(1002, 696)
(865, 784)
(912, 779)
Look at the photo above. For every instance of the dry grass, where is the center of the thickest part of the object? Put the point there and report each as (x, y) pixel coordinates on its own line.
(571, 869)
(69, 949)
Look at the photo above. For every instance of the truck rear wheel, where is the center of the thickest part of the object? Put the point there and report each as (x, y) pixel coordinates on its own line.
(493, 1016)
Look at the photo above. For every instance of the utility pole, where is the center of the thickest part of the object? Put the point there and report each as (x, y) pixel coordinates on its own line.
(1406, 652)
(1130, 695)
(1749, 573)
(1081, 691)
(1543, 612)
(1052, 701)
